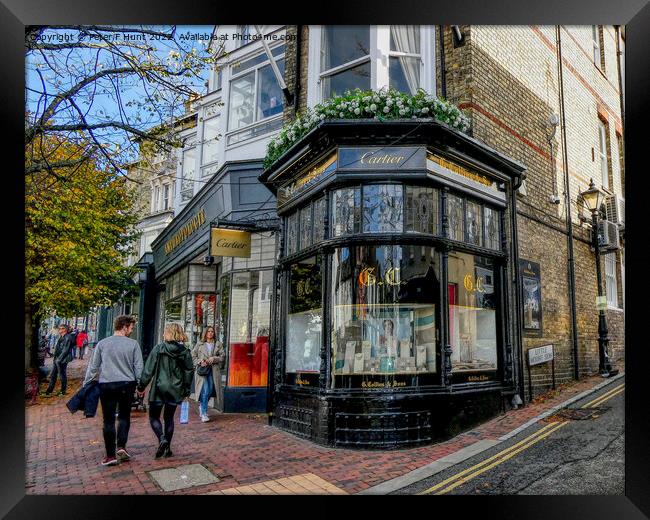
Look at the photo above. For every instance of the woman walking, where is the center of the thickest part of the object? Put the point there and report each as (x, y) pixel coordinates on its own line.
(169, 368)
(208, 356)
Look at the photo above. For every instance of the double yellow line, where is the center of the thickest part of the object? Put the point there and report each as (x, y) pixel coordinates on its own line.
(605, 397)
(468, 474)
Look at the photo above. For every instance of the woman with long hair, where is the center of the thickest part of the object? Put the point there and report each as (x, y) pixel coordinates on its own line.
(208, 353)
(169, 368)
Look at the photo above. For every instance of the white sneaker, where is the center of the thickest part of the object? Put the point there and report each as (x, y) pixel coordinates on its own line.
(205, 418)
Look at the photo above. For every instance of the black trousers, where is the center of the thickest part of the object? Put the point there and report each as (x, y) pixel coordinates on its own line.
(168, 415)
(116, 396)
(57, 368)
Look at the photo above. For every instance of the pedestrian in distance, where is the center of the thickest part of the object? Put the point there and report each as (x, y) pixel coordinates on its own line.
(208, 356)
(62, 350)
(75, 334)
(169, 369)
(82, 341)
(118, 362)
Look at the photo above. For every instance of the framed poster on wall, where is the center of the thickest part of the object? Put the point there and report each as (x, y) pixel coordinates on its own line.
(531, 290)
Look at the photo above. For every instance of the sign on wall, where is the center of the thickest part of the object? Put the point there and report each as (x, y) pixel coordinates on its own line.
(230, 242)
(531, 287)
(382, 158)
(539, 355)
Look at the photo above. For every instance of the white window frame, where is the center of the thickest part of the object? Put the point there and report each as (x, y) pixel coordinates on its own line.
(595, 43)
(602, 154)
(255, 70)
(380, 54)
(217, 118)
(611, 284)
(156, 199)
(183, 176)
(165, 196)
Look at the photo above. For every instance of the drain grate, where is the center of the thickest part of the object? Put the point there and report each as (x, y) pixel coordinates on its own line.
(577, 414)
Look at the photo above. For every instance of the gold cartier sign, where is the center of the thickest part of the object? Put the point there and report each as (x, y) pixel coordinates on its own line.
(455, 168)
(185, 232)
(315, 173)
(382, 158)
(230, 242)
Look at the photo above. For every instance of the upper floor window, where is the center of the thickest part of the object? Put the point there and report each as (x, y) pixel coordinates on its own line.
(243, 35)
(165, 199)
(156, 199)
(254, 90)
(372, 57)
(188, 174)
(597, 43)
(602, 153)
(210, 144)
(610, 280)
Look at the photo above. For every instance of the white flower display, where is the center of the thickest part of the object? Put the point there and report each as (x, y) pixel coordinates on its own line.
(377, 105)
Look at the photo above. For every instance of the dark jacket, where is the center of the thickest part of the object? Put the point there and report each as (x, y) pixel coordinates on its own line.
(87, 398)
(63, 348)
(169, 368)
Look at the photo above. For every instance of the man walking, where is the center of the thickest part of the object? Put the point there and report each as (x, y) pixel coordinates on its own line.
(61, 358)
(118, 361)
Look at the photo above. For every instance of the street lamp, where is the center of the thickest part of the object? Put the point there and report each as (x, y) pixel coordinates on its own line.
(593, 198)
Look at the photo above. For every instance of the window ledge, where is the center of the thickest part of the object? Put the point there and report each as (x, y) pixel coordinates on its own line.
(615, 309)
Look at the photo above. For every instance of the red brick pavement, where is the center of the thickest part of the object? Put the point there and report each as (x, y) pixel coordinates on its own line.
(63, 451)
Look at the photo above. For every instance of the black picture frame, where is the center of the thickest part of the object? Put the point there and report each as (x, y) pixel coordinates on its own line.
(635, 14)
(530, 276)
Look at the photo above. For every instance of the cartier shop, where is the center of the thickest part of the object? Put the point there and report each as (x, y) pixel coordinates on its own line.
(396, 294)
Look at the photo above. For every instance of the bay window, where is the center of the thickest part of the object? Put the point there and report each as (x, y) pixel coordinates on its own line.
(370, 57)
(255, 95)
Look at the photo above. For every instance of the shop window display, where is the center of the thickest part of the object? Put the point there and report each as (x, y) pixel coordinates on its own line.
(473, 307)
(384, 311)
(304, 324)
(250, 313)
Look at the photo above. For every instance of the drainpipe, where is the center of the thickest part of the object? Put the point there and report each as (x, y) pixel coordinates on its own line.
(567, 203)
(619, 58)
(443, 73)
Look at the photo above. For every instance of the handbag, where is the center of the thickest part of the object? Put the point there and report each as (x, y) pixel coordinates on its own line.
(203, 370)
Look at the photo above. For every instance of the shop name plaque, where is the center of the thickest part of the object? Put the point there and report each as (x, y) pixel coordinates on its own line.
(539, 355)
(382, 158)
(230, 242)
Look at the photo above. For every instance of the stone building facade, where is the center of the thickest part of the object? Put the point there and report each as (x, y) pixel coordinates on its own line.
(507, 79)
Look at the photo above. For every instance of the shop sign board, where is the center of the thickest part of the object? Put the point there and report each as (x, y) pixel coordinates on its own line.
(382, 158)
(230, 242)
(539, 355)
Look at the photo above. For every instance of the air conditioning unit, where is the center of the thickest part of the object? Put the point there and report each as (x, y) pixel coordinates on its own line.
(615, 209)
(608, 239)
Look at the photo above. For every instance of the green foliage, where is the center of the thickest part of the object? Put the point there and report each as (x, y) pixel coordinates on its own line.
(78, 232)
(380, 105)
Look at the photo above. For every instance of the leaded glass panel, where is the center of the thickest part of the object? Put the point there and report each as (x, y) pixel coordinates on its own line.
(292, 234)
(455, 217)
(473, 223)
(305, 227)
(346, 214)
(383, 208)
(491, 223)
(319, 220)
(421, 209)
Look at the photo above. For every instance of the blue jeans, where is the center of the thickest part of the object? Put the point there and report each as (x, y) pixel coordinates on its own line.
(206, 392)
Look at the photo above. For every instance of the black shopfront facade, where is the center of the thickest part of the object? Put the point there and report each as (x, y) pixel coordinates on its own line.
(396, 284)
